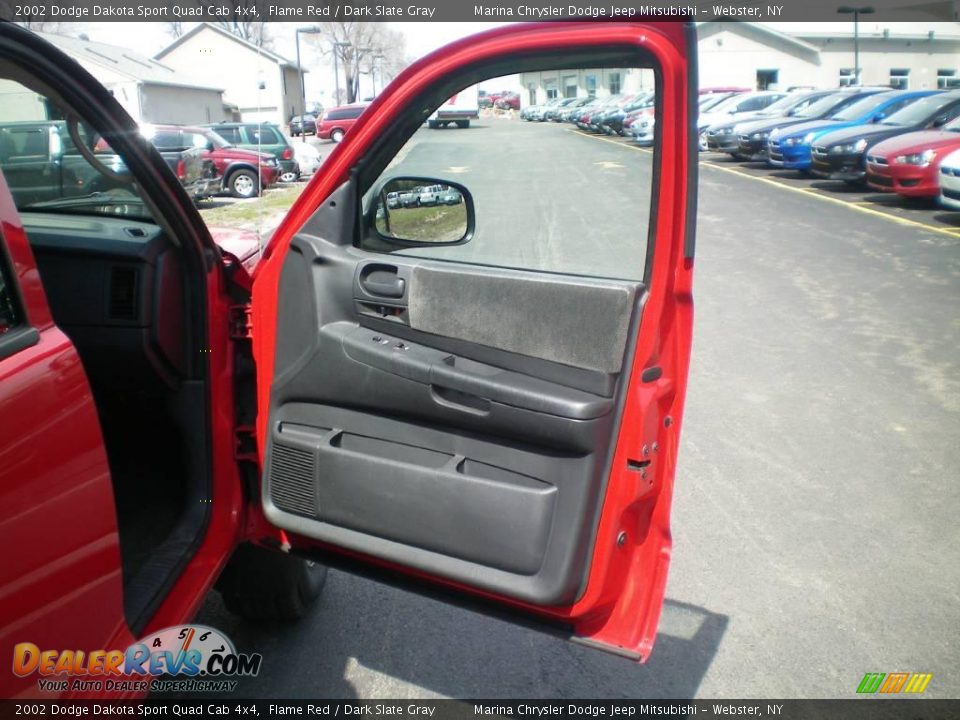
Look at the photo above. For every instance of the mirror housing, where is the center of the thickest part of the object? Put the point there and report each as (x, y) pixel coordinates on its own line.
(427, 212)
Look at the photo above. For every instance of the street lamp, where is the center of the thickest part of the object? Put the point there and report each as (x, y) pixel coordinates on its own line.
(357, 53)
(312, 30)
(856, 12)
(336, 69)
(377, 61)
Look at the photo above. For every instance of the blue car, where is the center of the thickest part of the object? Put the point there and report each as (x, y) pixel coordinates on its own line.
(789, 147)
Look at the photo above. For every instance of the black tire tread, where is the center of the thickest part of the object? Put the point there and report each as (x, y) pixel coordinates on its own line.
(262, 585)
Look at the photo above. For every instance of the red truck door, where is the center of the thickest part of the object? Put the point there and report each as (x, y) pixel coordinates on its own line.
(500, 436)
(64, 562)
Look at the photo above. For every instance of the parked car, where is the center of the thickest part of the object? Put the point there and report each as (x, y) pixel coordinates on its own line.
(307, 157)
(732, 107)
(410, 198)
(909, 164)
(335, 122)
(589, 119)
(753, 136)
(42, 163)
(430, 194)
(303, 125)
(559, 113)
(508, 101)
(643, 129)
(840, 155)
(612, 122)
(262, 137)
(950, 181)
(181, 417)
(242, 173)
(789, 146)
(535, 113)
(722, 136)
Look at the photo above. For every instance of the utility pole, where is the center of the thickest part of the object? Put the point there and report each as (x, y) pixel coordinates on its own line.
(856, 12)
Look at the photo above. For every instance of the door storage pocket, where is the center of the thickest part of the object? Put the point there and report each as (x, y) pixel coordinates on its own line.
(463, 507)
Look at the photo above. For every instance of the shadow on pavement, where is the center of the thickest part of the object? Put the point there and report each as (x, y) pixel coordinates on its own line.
(366, 640)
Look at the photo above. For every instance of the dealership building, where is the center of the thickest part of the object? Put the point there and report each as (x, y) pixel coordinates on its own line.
(912, 56)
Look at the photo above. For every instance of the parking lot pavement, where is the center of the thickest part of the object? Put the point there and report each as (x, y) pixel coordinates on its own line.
(815, 532)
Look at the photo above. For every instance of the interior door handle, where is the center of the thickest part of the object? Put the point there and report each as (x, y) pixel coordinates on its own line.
(383, 284)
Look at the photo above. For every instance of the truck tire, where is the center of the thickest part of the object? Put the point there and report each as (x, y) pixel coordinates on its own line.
(463, 124)
(263, 585)
(243, 183)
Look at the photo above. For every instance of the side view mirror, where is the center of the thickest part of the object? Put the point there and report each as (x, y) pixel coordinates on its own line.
(423, 211)
(940, 121)
(878, 117)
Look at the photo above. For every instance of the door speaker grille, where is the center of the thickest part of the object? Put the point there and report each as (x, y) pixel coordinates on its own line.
(291, 480)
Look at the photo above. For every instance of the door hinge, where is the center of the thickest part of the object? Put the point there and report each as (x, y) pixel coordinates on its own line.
(245, 443)
(241, 327)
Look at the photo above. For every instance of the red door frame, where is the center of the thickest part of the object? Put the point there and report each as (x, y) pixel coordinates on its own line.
(620, 606)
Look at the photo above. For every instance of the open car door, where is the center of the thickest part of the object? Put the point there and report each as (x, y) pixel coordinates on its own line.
(472, 345)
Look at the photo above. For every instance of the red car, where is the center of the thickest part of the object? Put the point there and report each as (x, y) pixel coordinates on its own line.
(242, 173)
(176, 417)
(909, 164)
(335, 122)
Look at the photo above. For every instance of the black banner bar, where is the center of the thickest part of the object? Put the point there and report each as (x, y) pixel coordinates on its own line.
(306, 11)
(853, 709)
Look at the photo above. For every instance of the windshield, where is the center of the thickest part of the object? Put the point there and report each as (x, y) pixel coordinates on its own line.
(726, 104)
(918, 112)
(862, 107)
(785, 104)
(711, 101)
(822, 107)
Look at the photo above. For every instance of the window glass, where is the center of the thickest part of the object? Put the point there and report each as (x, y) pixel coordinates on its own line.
(546, 196)
(45, 170)
(230, 134)
(263, 135)
(167, 140)
(919, 111)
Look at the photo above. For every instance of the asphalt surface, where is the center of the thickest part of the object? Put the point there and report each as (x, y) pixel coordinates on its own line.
(815, 519)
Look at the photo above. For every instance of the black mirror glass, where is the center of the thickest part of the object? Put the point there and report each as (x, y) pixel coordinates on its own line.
(421, 210)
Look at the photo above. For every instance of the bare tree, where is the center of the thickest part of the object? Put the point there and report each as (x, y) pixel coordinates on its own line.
(361, 48)
(245, 20)
(174, 28)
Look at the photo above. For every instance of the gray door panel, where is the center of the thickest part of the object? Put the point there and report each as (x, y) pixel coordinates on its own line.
(450, 418)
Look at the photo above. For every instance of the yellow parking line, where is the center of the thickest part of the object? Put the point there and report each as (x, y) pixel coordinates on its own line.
(949, 232)
(837, 201)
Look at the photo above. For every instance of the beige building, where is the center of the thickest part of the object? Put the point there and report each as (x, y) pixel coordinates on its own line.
(149, 91)
(913, 56)
(264, 86)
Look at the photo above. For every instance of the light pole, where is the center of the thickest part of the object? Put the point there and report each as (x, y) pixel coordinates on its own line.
(377, 61)
(312, 30)
(357, 54)
(856, 12)
(336, 70)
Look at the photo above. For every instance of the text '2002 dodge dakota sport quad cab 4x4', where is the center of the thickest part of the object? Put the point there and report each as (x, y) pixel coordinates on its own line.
(385, 389)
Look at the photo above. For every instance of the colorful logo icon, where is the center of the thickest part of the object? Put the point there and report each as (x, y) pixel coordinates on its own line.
(900, 682)
(190, 652)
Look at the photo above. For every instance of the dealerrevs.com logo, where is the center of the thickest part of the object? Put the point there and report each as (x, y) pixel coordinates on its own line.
(183, 658)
